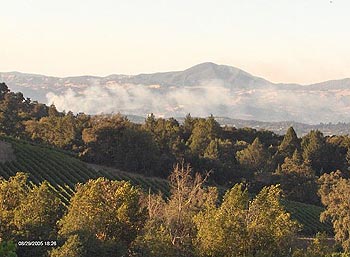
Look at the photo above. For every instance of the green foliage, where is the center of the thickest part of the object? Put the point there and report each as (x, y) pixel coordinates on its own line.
(12, 194)
(221, 155)
(170, 228)
(167, 135)
(28, 213)
(272, 229)
(105, 214)
(240, 227)
(11, 112)
(188, 126)
(255, 158)
(38, 213)
(204, 130)
(288, 146)
(165, 132)
(115, 141)
(298, 180)
(63, 172)
(154, 147)
(334, 192)
(54, 130)
(73, 247)
(8, 249)
(221, 231)
(36, 218)
(290, 143)
(314, 150)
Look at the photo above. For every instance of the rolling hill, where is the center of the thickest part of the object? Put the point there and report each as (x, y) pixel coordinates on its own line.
(201, 90)
(62, 170)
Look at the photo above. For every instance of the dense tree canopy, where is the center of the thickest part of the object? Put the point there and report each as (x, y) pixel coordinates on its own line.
(298, 180)
(232, 154)
(28, 212)
(105, 215)
(255, 157)
(334, 192)
(240, 227)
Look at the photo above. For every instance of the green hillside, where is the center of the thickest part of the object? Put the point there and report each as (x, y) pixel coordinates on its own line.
(63, 171)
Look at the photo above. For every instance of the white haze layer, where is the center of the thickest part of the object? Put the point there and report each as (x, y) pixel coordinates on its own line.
(269, 103)
(141, 99)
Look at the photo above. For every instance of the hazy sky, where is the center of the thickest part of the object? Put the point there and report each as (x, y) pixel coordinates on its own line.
(300, 41)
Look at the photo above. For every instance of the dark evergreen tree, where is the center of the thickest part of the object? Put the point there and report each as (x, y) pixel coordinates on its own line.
(289, 144)
(203, 132)
(298, 180)
(315, 150)
(255, 158)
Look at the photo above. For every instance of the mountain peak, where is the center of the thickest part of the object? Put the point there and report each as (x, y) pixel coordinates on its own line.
(212, 66)
(205, 65)
(201, 89)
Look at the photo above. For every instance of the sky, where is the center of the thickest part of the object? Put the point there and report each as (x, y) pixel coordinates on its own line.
(299, 41)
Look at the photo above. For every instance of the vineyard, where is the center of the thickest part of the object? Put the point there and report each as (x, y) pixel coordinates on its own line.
(63, 172)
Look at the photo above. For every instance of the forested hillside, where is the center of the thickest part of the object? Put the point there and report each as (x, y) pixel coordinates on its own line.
(255, 157)
(213, 172)
(63, 172)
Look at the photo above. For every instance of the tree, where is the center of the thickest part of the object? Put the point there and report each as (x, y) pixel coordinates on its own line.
(255, 158)
(188, 126)
(106, 215)
(170, 229)
(240, 227)
(55, 130)
(12, 192)
(222, 231)
(38, 213)
(314, 149)
(203, 132)
(28, 213)
(289, 144)
(187, 198)
(73, 247)
(3, 90)
(113, 140)
(298, 180)
(38, 110)
(222, 161)
(167, 134)
(36, 218)
(52, 111)
(334, 192)
(8, 249)
(271, 229)
(11, 114)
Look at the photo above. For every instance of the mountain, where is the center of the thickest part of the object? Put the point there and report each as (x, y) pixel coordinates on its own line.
(230, 77)
(201, 90)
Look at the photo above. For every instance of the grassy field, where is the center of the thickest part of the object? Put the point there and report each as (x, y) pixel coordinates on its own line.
(63, 172)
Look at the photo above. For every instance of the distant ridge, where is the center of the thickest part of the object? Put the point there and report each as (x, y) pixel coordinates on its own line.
(203, 89)
(280, 127)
